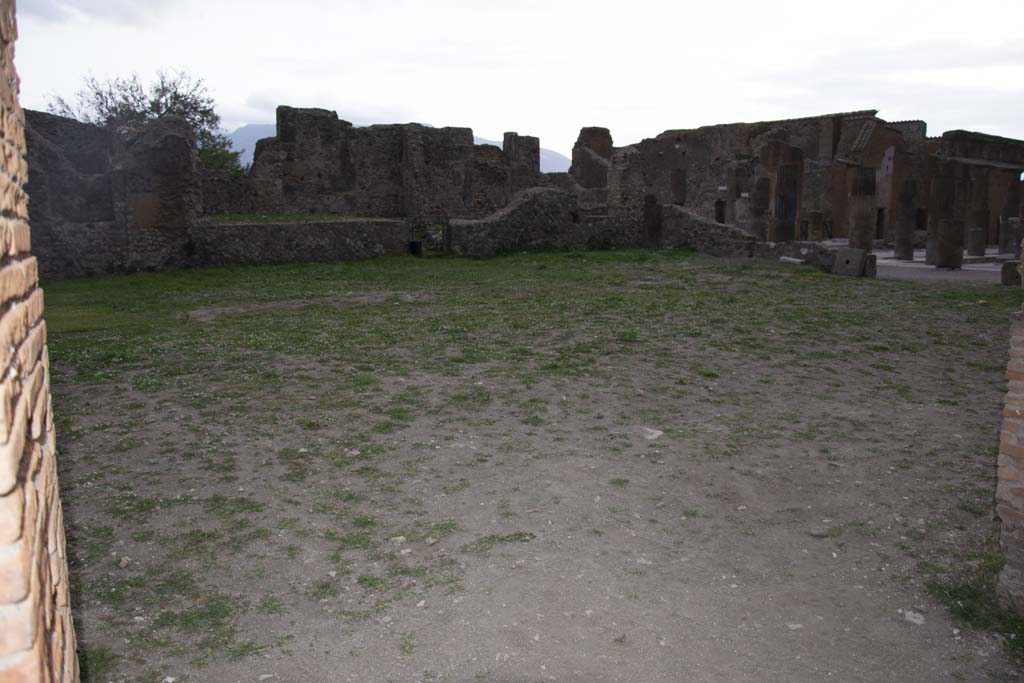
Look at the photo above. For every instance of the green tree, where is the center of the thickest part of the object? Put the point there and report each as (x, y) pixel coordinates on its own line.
(128, 102)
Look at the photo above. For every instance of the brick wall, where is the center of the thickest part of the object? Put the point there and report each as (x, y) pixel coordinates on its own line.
(37, 641)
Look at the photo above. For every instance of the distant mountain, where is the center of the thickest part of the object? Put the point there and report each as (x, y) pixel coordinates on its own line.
(245, 138)
(550, 160)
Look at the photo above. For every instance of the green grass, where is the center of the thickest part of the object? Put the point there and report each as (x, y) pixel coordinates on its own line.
(96, 663)
(972, 599)
(487, 543)
(218, 425)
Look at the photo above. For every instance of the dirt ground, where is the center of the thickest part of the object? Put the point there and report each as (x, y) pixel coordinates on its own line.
(642, 467)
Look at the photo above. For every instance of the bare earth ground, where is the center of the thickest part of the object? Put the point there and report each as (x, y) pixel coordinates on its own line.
(625, 466)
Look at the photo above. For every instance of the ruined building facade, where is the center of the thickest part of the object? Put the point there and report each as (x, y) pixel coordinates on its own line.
(115, 200)
(320, 164)
(127, 200)
(849, 175)
(37, 639)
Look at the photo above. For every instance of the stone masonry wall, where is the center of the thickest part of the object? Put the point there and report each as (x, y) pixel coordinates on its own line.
(256, 243)
(105, 202)
(37, 640)
(318, 163)
(540, 218)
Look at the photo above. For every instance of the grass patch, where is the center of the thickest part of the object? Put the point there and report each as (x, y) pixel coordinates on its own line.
(972, 599)
(96, 663)
(487, 543)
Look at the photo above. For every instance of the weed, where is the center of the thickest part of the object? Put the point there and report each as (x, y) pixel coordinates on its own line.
(973, 600)
(486, 543)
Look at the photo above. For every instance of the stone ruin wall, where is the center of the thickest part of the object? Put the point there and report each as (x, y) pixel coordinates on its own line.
(319, 164)
(107, 201)
(37, 639)
(135, 200)
(842, 175)
(126, 200)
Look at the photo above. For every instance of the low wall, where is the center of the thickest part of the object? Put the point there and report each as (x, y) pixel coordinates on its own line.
(537, 219)
(77, 249)
(683, 228)
(255, 243)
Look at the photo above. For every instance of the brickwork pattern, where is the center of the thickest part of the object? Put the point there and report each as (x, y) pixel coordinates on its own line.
(37, 641)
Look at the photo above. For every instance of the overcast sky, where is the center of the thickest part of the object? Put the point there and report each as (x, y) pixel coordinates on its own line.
(548, 67)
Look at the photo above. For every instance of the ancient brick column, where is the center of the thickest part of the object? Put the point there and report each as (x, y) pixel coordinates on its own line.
(37, 640)
(976, 239)
(1010, 236)
(941, 200)
(591, 157)
(906, 221)
(523, 154)
(862, 208)
(949, 249)
(978, 216)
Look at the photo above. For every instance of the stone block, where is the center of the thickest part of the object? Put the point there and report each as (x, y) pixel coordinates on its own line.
(12, 507)
(18, 625)
(871, 265)
(849, 262)
(1010, 275)
(1010, 236)
(976, 239)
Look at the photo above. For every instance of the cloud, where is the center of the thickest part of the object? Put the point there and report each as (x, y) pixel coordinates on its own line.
(119, 11)
(546, 68)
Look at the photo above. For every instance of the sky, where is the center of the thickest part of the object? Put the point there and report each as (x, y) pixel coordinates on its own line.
(549, 67)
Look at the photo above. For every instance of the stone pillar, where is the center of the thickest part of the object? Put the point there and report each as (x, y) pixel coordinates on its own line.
(1010, 236)
(949, 249)
(627, 187)
(815, 226)
(976, 239)
(977, 226)
(591, 157)
(862, 209)
(159, 169)
(37, 637)
(941, 200)
(906, 221)
(523, 154)
(904, 241)
(760, 201)
(1010, 486)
